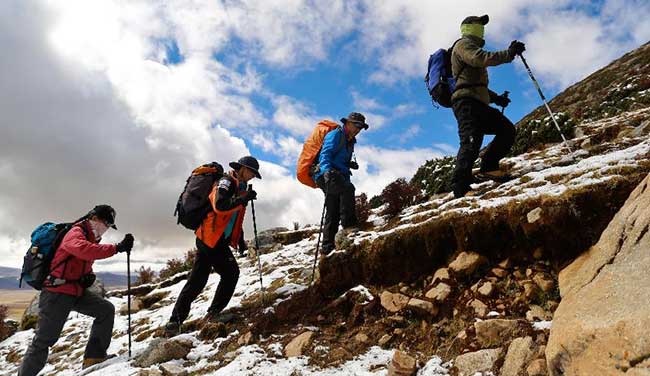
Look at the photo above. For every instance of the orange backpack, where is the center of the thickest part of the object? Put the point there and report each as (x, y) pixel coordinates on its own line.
(310, 151)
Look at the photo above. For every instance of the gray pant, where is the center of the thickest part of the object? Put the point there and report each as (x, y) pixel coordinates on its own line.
(54, 309)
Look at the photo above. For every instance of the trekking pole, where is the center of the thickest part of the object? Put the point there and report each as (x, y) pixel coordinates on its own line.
(320, 232)
(128, 294)
(257, 246)
(539, 90)
(505, 95)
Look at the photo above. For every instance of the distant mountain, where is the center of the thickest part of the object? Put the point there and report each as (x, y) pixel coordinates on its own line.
(9, 279)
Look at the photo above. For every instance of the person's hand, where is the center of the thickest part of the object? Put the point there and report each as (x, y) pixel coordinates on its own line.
(353, 165)
(501, 101)
(516, 48)
(126, 244)
(250, 195)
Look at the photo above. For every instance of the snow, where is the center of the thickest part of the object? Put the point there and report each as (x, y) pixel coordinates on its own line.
(542, 325)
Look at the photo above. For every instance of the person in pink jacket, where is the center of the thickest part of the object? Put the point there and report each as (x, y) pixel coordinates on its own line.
(65, 290)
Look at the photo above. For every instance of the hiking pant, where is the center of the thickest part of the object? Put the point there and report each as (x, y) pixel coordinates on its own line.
(339, 207)
(476, 119)
(220, 259)
(53, 313)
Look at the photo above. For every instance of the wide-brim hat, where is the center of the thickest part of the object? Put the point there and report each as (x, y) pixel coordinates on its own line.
(481, 20)
(249, 162)
(357, 119)
(106, 213)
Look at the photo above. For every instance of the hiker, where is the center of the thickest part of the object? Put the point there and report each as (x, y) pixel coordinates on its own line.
(471, 104)
(333, 178)
(221, 229)
(66, 289)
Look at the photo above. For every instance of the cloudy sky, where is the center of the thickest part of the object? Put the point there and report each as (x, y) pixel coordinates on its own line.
(116, 101)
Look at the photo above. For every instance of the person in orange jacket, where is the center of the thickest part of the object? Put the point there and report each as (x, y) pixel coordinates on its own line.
(66, 289)
(220, 230)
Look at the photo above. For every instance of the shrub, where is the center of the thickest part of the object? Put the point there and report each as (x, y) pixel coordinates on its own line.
(376, 202)
(362, 208)
(178, 265)
(538, 132)
(398, 195)
(4, 328)
(144, 276)
(434, 176)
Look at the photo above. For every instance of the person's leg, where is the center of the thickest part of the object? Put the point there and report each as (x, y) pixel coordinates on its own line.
(53, 312)
(226, 266)
(471, 138)
(103, 311)
(494, 122)
(195, 283)
(348, 206)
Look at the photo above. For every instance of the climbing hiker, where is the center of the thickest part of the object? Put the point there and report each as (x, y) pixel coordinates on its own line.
(471, 104)
(221, 229)
(333, 178)
(66, 289)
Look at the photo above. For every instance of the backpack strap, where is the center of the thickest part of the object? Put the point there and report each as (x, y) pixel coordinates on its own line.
(55, 282)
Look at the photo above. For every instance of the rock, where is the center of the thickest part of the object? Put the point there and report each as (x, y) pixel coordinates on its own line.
(586, 144)
(536, 312)
(384, 339)
(30, 316)
(402, 364)
(505, 264)
(361, 338)
(136, 306)
(422, 306)
(544, 282)
(520, 352)
(538, 253)
(486, 289)
(344, 239)
(480, 361)
(404, 290)
(439, 293)
(479, 307)
(530, 289)
(393, 302)
(495, 332)
(441, 274)
(298, 344)
(162, 350)
(466, 263)
(499, 272)
(537, 368)
(534, 215)
(213, 330)
(603, 319)
(150, 372)
(245, 339)
(172, 369)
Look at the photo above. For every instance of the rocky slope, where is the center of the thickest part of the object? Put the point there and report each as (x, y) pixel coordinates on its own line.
(450, 286)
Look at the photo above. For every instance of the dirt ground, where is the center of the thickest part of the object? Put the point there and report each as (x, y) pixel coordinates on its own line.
(17, 301)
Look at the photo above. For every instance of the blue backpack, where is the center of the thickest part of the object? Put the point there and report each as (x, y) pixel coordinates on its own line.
(439, 79)
(36, 263)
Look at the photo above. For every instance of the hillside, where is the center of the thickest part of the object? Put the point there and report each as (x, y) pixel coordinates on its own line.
(448, 287)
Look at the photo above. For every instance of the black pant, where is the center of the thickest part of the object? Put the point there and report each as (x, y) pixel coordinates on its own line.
(221, 259)
(340, 207)
(476, 119)
(54, 309)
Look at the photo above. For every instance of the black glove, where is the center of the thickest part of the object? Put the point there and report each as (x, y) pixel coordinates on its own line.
(516, 48)
(353, 165)
(126, 244)
(250, 195)
(501, 101)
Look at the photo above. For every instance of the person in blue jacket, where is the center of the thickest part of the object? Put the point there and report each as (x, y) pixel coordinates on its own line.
(333, 177)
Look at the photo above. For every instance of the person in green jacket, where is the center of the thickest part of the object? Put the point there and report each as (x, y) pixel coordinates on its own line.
(471, 104)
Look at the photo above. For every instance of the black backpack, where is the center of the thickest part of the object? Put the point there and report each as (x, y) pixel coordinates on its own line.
(193, 204)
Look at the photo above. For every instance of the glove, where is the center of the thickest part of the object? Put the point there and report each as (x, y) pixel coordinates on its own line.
(353, 165)
(516, 48)
(249, 196)
(125, 245)
(501, 101)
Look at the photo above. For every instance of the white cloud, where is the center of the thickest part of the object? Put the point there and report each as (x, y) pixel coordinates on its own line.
(294, 116)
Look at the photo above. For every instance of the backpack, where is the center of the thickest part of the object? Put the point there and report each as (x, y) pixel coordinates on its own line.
(439, 79)
(307, 162)
(193, 204)
(46, 238)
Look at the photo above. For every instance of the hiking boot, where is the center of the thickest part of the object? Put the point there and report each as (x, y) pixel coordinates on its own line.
(462, 191)
(89, 362)
(495, 175)
(173, 328)
(222, 317)
(326, 250)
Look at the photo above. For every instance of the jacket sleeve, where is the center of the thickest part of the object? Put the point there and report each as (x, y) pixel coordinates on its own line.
(328, 150)
(492, 95)
(225, 199)
(471, 54)
(76, 244)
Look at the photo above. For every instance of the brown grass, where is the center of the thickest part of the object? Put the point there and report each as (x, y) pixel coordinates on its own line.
(17, 301)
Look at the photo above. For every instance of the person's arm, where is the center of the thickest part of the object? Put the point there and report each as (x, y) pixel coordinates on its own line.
(76, 244)
(493, 95)
(474, 55)
(328, 150)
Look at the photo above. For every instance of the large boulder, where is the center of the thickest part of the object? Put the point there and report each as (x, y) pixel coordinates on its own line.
(162, 350)
(602, 324)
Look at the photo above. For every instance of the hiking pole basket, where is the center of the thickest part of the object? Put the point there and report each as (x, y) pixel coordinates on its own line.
(257, 247)
(539, 90)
